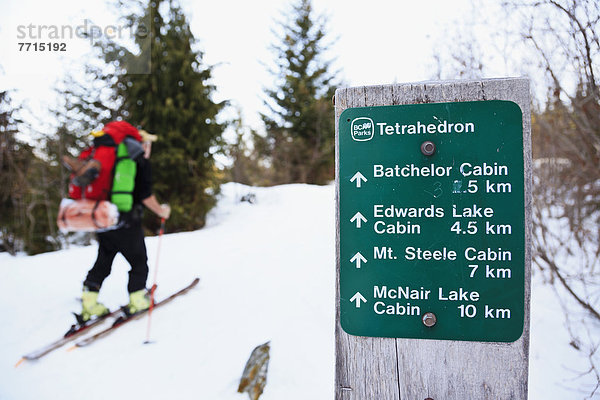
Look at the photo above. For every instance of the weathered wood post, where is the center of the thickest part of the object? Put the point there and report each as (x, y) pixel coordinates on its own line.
(433, 200)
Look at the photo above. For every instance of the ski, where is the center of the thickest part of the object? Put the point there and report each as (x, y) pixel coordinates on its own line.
(76, 331)
(125, 319)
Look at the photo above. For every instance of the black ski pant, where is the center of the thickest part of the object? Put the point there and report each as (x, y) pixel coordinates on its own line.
(129, 242)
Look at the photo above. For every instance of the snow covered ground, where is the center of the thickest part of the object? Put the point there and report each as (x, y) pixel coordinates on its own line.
(267, 274)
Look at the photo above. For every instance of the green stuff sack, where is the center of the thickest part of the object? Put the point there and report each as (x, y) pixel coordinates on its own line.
(124, 180)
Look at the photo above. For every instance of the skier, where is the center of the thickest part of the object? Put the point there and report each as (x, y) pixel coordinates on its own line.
(128, 240)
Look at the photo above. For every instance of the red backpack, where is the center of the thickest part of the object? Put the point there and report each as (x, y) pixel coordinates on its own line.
(100, 158)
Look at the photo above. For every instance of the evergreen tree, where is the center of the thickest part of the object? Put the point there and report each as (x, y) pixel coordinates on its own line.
(247, 166)
(13, 163)
(300, 127)
(174, 101)
(28, 191)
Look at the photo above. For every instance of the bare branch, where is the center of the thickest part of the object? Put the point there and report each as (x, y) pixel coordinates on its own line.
(544, 257)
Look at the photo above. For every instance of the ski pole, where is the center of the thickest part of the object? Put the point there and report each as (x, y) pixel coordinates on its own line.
(153, 288)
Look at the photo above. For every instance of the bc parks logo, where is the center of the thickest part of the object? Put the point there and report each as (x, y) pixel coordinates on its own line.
(362, 129)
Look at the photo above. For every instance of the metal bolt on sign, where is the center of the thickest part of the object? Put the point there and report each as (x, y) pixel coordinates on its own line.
(428, 148)
(429, 319)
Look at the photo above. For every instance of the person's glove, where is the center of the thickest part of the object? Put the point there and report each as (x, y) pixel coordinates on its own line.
(166, 211)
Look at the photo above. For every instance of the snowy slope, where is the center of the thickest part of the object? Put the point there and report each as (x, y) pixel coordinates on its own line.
(267, 274)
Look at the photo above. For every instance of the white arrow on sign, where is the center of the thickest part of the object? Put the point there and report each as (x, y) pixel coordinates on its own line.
(359, 219)
(359, 178)
(358, 298)
(358, 258)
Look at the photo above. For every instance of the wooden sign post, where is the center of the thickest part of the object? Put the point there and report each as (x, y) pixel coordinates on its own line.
(433, 200)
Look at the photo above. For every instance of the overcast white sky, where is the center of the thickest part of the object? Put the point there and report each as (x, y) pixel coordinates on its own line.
(378, 42)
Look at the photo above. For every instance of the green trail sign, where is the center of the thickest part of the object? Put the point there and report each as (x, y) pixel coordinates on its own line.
(431, 211)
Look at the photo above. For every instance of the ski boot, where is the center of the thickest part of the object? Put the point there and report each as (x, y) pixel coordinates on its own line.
(90, 305)
(138, 301)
